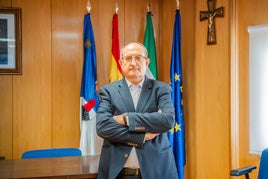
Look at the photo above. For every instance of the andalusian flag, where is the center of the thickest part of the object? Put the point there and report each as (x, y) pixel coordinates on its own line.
(176, 135)
(90, 142)
(149, 43)
(115, 70)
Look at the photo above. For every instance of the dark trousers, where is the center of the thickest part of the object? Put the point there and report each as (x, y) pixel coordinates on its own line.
(128, 177)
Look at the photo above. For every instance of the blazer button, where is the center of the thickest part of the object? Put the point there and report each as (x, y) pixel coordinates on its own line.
(126, 156)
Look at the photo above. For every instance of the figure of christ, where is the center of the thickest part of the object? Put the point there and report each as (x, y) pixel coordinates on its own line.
(210, 15)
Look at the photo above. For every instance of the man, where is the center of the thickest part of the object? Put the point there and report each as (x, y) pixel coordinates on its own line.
(133, 118)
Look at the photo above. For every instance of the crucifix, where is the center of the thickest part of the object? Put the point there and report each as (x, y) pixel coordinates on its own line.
(210, 15)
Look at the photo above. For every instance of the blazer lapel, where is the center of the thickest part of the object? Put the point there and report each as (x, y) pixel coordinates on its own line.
(124, 92)
(145, 94)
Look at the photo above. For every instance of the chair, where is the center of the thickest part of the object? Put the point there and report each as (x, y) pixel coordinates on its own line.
(263, 172)
(52, 152)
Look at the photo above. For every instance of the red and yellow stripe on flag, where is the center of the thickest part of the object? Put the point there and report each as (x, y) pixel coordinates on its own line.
(115, 70)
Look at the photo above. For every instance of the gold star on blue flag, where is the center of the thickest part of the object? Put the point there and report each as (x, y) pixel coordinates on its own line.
(177, 77)
(176, 135)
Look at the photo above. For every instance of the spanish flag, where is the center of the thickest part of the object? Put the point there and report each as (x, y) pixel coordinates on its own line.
(115, 70)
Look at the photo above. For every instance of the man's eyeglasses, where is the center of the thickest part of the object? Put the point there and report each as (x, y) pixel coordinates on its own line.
(138, 58)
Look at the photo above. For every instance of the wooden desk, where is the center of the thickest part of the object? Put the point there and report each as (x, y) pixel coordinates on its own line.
(61, 167)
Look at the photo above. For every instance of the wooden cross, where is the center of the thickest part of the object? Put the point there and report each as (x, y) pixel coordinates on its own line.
(210, 15)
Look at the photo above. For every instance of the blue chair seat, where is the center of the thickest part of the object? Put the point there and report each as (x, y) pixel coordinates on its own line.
(52, 152)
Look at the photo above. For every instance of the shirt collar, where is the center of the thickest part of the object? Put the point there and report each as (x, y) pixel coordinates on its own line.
(129, 84)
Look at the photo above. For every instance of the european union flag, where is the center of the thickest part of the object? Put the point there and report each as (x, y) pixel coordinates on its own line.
(176, 135)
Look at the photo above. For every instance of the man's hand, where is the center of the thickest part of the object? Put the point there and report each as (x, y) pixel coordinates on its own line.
(150, 136)
(119, 119)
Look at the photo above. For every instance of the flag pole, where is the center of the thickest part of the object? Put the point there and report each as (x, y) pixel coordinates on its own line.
(116, 7)
(88, 7)
(148, 6)
(178, 4)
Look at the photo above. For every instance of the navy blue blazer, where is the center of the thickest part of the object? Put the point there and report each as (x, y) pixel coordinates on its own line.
(155, 156)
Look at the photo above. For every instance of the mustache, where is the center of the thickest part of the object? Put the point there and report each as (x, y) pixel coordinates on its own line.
(133, 68)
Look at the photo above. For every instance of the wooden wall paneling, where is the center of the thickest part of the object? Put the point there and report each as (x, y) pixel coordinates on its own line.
(132, 21)
(135, 24)
(245, 19)
(212, 97)
(167, 20)
(6, 117)
(187, 9)
(102, 15)
(67, 61)
(234, 118)
(6, 3)
(135, 21)
(31, 90)
(6, 108)
(45, 98)
(121, 23)
(200, 45)
(156, 14)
